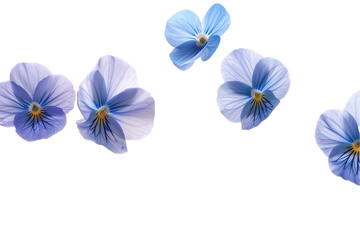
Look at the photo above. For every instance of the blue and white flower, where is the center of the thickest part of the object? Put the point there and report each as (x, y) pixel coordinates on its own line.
(35, 101)
(337, 134)
(253, 87)
(114, 108)
(192, 39)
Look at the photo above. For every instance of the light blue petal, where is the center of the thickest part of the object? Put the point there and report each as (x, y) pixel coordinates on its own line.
(186, 54)
(335, 127)
(182, 27)
(232, 97)
(211, 46)
(253, 114)
(216, 21)
(107, 133)
(239, 65)
(28, 75)
(98, 89)
(53, 120)
(186, 66)
(21, 94)
(353, 106)
(10, 105)
(271, 74)
(134, 110)
(55, 90)
(118, 75)
(344, 162)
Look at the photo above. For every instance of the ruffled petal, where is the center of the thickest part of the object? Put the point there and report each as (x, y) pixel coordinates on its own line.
(344, 162)
(232, 97)
(335, 127)
(118, 75)
(182, 27)
(239, 65)
(51, 120)
(10, 105)
(216, 21)
(211, 46)
(271, 74)
(256, 112)
(134, 109)
(28, 75)
(107, 132)
(353, 106)
(186, 54)
(55, 90)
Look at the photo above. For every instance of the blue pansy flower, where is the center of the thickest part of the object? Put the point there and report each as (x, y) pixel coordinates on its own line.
(35, 101)
(253, 87)
(337, 134)
(192, 39)
(114, 108)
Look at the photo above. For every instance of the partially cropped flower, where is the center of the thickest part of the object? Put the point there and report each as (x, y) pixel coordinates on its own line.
(337, 134)
(114, 108)
(253, 87)
(35, 101)
(193, 39)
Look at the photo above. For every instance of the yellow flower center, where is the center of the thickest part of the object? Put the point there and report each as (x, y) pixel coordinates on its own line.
(35, 110)
(201, 39)
(257, 95)
(103, 112)
(356, 146)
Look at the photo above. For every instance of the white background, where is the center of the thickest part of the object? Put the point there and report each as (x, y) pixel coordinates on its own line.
(196, 176)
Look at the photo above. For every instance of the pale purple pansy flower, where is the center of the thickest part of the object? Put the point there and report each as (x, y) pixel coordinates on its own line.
(35, 101)
(114, 108)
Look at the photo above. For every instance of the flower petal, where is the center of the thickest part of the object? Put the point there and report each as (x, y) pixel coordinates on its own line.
(27, 75)
(344, 162)
(216, 21)
(182, 27)
(107, 133)
(134, 109)
(10, 105)
(232, 97)
(118, 75)
(254, 113)
(52, 121)
(353, 106)
(186, 53)
(239, 65)
(271, 74)
(55, 90)
(211, 46)
(335, 127)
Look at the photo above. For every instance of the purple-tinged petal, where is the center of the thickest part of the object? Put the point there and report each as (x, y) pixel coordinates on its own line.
(10, 105)
(256, 112)
(134, 110)
(232, 97)
(239, 65)
(21, 94)
(271, 74)
(103, 132)
(211, 46)
(353, 106)
(182, 27)
(216, 21)
(186, 54)
(51, 120)
(335, 127)
(118, 75)
(28, 75)
(345, 162)
(98, 89)
(55, 90)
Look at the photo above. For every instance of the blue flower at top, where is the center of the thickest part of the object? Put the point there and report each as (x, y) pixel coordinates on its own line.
(253, 87)
(114, 108)
(35, 101)
(191, 39)
(337, 134)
